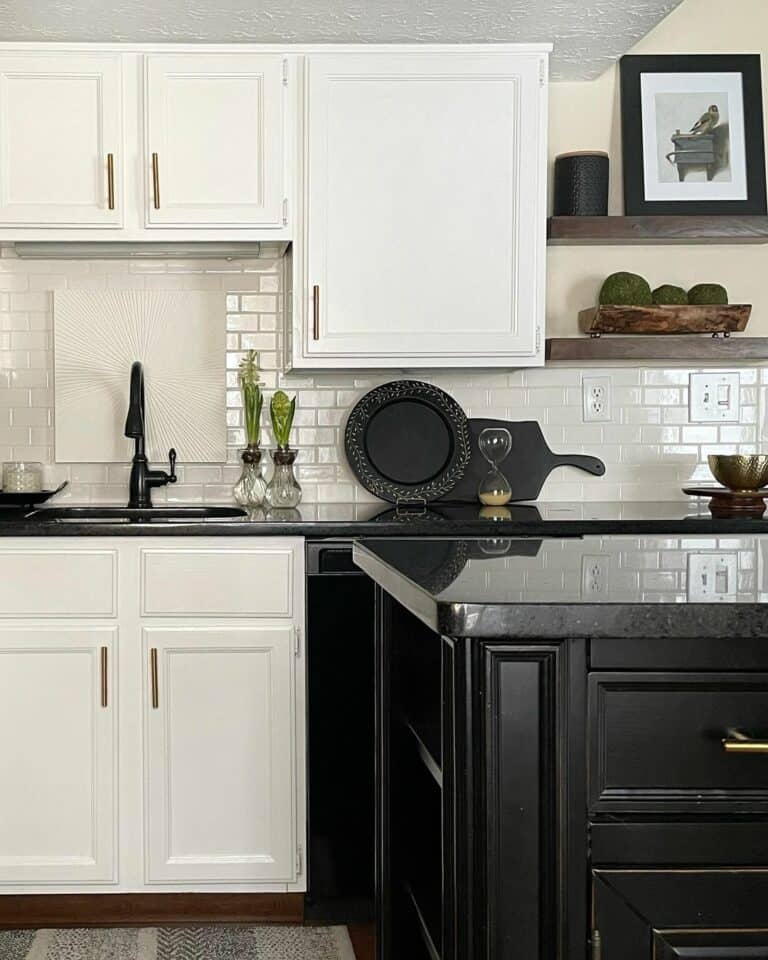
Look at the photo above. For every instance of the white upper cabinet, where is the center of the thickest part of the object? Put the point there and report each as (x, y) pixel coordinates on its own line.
(61, 156)
(426, 209)
(215, 132)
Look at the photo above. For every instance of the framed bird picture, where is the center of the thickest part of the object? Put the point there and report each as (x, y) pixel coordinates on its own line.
(692, 135)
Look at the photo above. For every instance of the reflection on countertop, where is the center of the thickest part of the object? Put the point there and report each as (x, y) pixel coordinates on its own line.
(462, 585)
(436, 520)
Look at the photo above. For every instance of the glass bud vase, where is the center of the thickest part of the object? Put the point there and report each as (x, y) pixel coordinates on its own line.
(250, 488)
(283, 489)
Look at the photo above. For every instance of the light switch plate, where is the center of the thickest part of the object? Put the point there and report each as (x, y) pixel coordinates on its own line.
(711, 577)
(714, 398)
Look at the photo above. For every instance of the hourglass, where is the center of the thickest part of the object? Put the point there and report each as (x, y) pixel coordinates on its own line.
(495, 444)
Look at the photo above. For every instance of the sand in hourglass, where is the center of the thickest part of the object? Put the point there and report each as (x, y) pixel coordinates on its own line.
(495, 499)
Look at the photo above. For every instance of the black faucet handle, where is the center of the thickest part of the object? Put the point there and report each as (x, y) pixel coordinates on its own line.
(172, 463)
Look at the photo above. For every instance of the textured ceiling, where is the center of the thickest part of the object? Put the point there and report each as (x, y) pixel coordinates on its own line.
(588, 34)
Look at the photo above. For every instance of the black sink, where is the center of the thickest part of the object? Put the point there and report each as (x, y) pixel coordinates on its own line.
(109, 514)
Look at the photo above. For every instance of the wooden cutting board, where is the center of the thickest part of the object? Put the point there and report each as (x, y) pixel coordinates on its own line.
(528, 465)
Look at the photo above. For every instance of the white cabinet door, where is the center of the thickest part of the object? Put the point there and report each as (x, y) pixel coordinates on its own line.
(220, 754)
(57, 754)
(215, 140)
(426, 208)
(61, 158)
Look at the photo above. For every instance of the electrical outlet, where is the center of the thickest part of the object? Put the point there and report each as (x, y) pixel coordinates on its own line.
(596, 398)
(594, 577)
(714, 398)
(711, 577)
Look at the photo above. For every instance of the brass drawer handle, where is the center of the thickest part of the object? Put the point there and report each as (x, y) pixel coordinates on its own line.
(104, 678)
(155, 689)
(110, 181)
(156, 181)
(316, 312)
(737, 742)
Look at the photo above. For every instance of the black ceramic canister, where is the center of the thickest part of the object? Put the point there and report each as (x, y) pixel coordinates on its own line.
(581, 185)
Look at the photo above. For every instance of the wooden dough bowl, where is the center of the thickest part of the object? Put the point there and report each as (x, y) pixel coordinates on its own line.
(712, 319)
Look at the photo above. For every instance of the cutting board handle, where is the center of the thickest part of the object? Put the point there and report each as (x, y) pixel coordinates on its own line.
(592, 465)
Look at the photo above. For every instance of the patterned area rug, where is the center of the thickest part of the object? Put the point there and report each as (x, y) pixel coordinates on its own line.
(179, 943)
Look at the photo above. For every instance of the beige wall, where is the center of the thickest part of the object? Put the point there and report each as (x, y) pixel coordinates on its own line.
(585, 116)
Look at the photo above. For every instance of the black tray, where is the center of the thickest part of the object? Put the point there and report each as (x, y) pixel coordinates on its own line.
(28, 499)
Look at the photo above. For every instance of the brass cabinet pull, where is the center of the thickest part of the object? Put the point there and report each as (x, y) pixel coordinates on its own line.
(737, 742)
(110, 181)
(316, 312)
(156, 181)
(153, 666)
(104, 678)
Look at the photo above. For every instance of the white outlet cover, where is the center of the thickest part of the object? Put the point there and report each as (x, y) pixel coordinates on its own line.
(714, 398)
(588, 386)
(712, 577)
(594, 576)
(180, 338)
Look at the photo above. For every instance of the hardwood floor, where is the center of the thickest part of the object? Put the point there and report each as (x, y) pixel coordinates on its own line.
(363, 937)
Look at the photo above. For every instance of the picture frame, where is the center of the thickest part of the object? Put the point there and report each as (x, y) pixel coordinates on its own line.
(692, 135)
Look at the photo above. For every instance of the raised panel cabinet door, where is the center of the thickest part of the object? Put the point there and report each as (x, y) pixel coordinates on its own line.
(426, 208)
(670, 914)
(61, 146)
(58, 736)
(215, 140)
(220, 754)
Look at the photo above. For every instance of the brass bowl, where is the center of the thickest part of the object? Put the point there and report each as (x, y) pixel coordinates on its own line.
(737, 471)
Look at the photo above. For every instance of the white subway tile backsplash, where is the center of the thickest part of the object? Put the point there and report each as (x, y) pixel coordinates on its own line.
(650, 448)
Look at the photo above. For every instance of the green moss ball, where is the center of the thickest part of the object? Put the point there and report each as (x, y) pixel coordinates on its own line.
(668, 293)
(627, 289)
(704, 293)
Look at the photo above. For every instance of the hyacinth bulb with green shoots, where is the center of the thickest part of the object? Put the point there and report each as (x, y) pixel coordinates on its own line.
(283, 490)
(250, 489)
(281, 412)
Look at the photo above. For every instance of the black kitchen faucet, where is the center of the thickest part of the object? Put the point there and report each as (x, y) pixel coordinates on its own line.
(142, 478)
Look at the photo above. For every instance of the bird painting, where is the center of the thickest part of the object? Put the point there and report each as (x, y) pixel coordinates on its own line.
(707, 121)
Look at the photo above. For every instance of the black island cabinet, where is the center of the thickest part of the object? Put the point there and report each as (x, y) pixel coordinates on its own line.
(570, 768)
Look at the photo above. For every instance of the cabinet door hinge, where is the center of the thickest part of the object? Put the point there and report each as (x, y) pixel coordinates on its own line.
(285, 73)
(538, 339)
(297, 642)
(285, 211)
(542, 72)
(299, 860)
(596, 946)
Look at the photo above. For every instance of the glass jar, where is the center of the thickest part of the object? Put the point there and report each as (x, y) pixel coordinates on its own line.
(22, 477)
(250, 488)
(283, 489)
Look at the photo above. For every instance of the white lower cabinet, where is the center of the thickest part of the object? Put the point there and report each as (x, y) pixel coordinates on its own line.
(58, 751)
(219, 758)
(153, 751)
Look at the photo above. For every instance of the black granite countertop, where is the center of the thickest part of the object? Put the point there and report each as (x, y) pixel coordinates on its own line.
(617, 585)
(348, 520)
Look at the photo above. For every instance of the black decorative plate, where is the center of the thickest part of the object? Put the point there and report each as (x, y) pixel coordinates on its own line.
(407, 441)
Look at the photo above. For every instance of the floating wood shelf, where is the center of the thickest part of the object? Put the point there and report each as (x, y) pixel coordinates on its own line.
(651, 230)
(694, 349)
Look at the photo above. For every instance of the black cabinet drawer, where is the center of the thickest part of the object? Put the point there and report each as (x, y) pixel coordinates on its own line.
(656, 742)
(679, 653)
(703, 842)
(699, 915)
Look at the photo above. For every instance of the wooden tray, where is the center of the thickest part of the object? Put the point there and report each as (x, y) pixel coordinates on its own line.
(610, 318)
